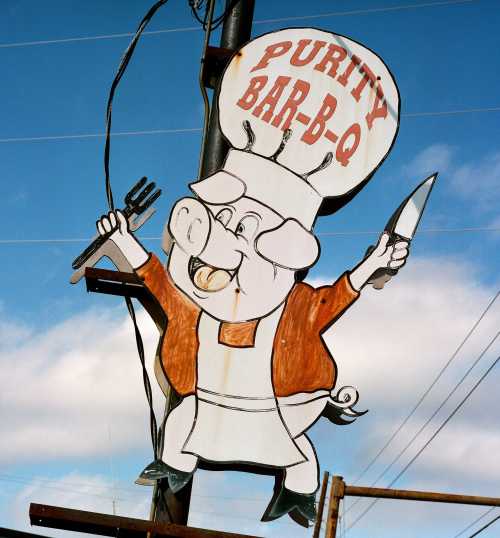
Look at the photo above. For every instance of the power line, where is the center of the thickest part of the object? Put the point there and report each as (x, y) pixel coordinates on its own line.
(64, 489)
(449, 112)
(366, 11)
(424, 231)
(180, 130)
(323, 234)
(131, 490)
(431, 386)
(383, 9)
(429, 441)
(443, 403)
(463, 531)
(485, 527)
(96, 37)
(100, 135)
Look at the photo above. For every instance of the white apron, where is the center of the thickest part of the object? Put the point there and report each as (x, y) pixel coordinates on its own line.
(237, 418)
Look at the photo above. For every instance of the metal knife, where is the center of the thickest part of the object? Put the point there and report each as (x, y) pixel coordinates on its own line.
(402, 225)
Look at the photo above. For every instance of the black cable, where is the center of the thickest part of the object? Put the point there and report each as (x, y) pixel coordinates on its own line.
(145, 376)
(477, 520)
(485, 527)
(197, 6)
(109, 108)
(429, 388)
(109, 194)
(429, 441)
(441, 405)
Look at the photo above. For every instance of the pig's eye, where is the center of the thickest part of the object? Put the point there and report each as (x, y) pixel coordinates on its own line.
(224, 216)
(247, 227)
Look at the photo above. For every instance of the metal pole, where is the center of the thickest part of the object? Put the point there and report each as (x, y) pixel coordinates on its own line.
(321, 504)
(337, 493)
(57, 517)
(428, 496)
(236, 31)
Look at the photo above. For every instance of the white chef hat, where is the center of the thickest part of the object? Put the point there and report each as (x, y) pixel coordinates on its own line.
(320, 113)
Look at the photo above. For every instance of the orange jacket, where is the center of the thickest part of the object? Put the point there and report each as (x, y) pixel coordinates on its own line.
(300, 360)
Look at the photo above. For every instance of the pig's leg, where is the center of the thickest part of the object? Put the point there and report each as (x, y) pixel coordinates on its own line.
(177, 429)
(303, 477)
(297, 493)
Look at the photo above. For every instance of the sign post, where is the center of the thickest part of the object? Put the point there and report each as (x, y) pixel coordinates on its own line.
(341, 490)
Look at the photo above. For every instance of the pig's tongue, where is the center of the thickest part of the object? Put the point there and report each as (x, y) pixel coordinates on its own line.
(210, 279)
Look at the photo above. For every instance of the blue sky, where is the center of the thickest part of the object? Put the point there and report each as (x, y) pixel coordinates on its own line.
(444, 58)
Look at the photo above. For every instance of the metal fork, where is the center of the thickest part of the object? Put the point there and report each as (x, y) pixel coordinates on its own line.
(137, 211)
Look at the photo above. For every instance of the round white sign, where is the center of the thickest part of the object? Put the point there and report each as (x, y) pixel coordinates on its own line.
(335, 96)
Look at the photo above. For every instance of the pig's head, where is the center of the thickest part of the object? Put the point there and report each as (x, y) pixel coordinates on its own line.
(236, 258)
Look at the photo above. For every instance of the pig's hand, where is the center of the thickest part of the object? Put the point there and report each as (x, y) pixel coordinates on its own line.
(115, 225)
(384, 256)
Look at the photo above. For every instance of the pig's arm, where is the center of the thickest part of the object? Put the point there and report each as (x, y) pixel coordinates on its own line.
(146, 265)
(383, 256)
(116, 223)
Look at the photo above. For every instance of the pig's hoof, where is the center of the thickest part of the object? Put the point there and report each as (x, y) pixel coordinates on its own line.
(299, 506)
(157, 470)
(178, 479)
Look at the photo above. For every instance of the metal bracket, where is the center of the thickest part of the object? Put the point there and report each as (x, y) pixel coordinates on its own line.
(216, 60)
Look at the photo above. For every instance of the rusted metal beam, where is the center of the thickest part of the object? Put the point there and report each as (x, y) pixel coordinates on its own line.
(428, 496)
(321, 505)
(126, 285)
(337, 493)
(113, 282)
(107, 525)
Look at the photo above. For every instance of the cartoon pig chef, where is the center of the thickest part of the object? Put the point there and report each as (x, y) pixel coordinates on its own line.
(243, 347)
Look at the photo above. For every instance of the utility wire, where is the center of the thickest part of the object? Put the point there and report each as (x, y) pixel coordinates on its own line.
(429, 388)
(321, 234)
(443, 403)
(485, 527)
(463, 531)
(368, 11)
(100, 135)
(180, 130)
(429, 441)
(382, 9)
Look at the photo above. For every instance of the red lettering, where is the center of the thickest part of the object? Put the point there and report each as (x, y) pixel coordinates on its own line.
(319, 122)
(297, 96)
(273, 51)
(343, 153)
(271, 99)
(250, 97)
(379, 109)
(303, 43)
(344, 77)
(334, 56)
(368, 76)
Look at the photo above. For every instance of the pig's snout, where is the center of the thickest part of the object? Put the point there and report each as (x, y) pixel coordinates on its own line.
(190, 225)
(199, 235)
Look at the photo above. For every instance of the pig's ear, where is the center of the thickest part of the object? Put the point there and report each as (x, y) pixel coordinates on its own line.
(219, 188)
(166, 239)
(289, 245)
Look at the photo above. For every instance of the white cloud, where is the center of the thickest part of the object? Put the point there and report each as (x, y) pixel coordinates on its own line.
(391, 344)
(476, 182)
(479, 182)
(66, 385)
(435, 158)
(94, 493)
(73, 384)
